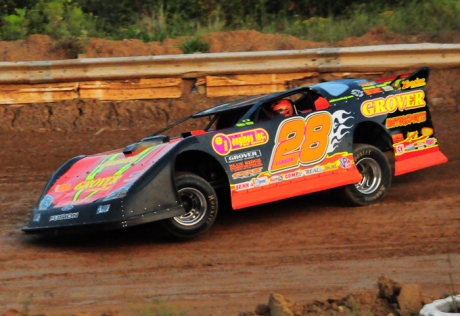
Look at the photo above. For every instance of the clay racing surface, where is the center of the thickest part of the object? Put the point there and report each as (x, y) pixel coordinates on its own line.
(304, 248)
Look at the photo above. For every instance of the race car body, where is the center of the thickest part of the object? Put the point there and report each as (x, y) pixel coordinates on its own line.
(349, 135)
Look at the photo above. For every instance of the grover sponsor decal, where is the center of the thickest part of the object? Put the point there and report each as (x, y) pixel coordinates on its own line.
(243, 156)
(401, 102)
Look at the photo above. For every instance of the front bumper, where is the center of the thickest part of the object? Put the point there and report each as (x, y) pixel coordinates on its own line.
(86, 219)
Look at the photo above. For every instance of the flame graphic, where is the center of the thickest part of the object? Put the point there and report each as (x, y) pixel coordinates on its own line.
(339, 130)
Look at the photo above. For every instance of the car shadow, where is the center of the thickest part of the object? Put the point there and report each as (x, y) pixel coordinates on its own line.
(138, 235)
(152, 233)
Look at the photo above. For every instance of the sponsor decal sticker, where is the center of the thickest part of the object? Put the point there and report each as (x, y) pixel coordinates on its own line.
(103, 209)
(411, 84)
(45, 202)
(397, 138)
(342, 98)
(412, 135)
(332, 163)
(427, 131)
(331, 166)
(399, 148)
(315, 170)
(365, 84)
(387, 88)
(247, 173)
(258, 182)
(119, 162)
(414, 142)
(420, 145)
(91, 185)
(62, 187)
(67, 208)
(357, 93)
(410, 147)
(243, 156)
(246, 122)
(293, 175)
(402, 102)
(63, 217)
(373, 91)
(98, 184)
(275, 179)
(405, 120)
(244, 165)
(224, 144)
(110, 160)
(37, 217)
(244, 186)
(345, 163)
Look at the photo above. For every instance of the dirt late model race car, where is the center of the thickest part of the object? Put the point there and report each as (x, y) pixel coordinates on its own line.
(350, 135)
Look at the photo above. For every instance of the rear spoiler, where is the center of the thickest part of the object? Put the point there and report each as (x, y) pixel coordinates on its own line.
(416, 79)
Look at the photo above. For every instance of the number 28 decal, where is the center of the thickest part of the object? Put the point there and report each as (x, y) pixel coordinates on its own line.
(301, 141)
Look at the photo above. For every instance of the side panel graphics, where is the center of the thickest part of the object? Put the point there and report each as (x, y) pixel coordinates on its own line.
(301, 158)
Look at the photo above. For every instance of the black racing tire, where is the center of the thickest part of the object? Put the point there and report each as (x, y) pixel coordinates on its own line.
(200, 201)
(375, 169)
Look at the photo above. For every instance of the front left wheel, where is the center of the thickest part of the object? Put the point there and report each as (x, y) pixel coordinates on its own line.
(200, 202)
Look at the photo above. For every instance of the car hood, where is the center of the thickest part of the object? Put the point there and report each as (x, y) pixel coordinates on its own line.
(98, 176)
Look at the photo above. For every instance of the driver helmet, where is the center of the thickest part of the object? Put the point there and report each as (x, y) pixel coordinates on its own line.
(284, 107)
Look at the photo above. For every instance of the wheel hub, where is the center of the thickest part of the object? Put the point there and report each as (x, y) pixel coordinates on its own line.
(194, 203)
(371, 175)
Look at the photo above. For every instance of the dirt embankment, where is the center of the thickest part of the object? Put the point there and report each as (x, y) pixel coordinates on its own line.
(79, 115)
(42, 47)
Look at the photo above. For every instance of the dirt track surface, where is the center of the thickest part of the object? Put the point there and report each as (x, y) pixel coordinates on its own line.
(305, 248)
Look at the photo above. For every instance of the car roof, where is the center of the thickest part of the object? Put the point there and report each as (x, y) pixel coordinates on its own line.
(232, 105)
(329, 90)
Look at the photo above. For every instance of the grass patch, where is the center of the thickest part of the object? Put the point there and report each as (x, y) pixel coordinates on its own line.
(65, 20)
(194, 45)
(433, 17)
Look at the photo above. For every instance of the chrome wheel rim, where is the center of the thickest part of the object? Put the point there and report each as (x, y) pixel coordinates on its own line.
(371, 173)
(194, 202)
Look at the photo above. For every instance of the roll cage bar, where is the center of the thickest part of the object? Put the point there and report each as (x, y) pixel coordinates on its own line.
(253, 113)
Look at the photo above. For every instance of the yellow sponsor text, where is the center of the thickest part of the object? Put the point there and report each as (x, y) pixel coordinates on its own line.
(402, 102)
(98, 183)
(419, 82)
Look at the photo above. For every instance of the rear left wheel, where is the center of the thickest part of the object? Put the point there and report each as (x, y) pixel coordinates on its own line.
(200, 202)
(376, 175)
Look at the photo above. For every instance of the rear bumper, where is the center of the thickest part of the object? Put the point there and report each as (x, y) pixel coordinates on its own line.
(426, 160)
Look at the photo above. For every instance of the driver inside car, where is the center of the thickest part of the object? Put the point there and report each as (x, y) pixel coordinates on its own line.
(283, 107)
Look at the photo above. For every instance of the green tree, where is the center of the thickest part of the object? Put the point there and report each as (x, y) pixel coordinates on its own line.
(60, 19)
(14, 26)
(8, 7)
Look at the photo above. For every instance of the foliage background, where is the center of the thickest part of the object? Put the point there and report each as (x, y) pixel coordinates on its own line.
(71, 22)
